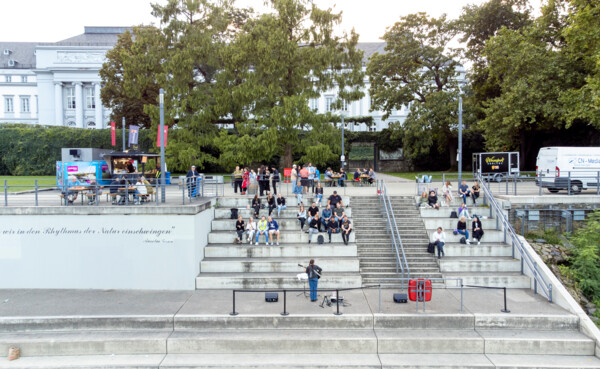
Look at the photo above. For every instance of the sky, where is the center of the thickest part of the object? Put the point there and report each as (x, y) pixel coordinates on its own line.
(55, 20)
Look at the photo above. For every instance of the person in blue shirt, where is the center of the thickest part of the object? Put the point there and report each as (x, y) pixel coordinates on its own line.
(72, 195)
(463, 190)
(326, 216)
(332, 227)
(273, 229)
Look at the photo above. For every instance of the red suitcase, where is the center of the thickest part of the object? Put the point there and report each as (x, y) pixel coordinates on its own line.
(424, 289)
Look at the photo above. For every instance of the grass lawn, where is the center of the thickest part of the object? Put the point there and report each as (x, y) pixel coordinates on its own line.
(25, 181)
(437, 176)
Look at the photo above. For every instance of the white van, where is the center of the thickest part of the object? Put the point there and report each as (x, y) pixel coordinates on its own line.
(558, 168)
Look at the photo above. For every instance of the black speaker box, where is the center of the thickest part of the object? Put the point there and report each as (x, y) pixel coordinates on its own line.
(271, 296)
(401, 298)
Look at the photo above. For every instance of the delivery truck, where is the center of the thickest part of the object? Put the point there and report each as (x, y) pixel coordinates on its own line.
(564, 168)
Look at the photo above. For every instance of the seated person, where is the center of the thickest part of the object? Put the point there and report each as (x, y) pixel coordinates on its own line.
(461, 228)
(239, 229)
(319, 193)
(256, 205)
(357, 175)
(280, 204)
(301, 216)
(432, 200)
(298, 192)
(463, 190)
(346, 229)
(94, 190)
(343, 177)
(262, 228)
(141, 190)
(251, 229)
(72, 195)
(123, 190)
(372, 177)
(149, 187)
(273, 229)
(313, 211)
(334, 199)
(477, 230)
(332, 227)
(114, 189)
(328, 176)
(338, 213)
(476, 192)
(326, 216)
(462, 210)
(313, 226)
(438, 238)
(271, 203)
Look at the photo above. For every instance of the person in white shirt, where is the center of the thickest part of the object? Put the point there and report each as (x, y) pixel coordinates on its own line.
(141, 190)
(251, 229)
(438, 238)
(447, 193)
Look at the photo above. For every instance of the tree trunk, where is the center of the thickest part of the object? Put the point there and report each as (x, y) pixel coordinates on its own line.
(287, 156)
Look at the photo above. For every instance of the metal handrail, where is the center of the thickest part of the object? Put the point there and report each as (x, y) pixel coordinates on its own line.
(525, 256)
(397, 245)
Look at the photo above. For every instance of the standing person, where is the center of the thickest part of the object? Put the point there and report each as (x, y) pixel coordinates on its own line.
(276, 179)
(313, 226)
(256, 205)
(311, 177)
(432, 200)
(251, 229)
(332, 227)
(280, 204)
(238, 179)
(267, 179)
(260, 172)
(334, 199)
(343, 177)
(271, 203)
(262, 228)
(245, 180)
(314, 273)
(477, 229)
(301, 216)
(438, 238)
(346, 229)
(319, 193)
(304, 179)
(447, 193)
(192, 176)
(461, 228)
(252, 181)
(294, 178)
(273, 229)
(464, 191)
(313, 212)
(476, 192)
(239, 229)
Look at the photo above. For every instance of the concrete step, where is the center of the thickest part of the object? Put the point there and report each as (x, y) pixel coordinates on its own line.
(243, 201)
(395, 341)
(449, 224)
(527, 342)
(274, 265)
(444, 212)
(489, 236)
(288, 250)
(485, 249)
(290, 213)
(474, 264)
(456, 200)
(492, 279)
(273, 280)
(224, 237)
(86, 362)
(285, 224)
(315, 341)
(86, 342)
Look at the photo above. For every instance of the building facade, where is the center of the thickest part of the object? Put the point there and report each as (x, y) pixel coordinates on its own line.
(59, 83)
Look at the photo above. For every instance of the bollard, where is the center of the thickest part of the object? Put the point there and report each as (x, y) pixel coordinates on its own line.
(337, 302)
(505, 310)
(233, 313)
(285, 313)
(5, 192)
(36, 192)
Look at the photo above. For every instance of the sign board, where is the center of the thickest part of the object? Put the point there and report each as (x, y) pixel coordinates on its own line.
(391, 155)
(496, 162)
(343, 158)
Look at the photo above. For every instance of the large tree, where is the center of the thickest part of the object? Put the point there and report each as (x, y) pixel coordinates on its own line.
(419, 70)
(282, 60)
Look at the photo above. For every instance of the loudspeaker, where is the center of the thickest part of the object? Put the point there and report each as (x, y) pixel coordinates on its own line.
(271, 296)
(400, 298)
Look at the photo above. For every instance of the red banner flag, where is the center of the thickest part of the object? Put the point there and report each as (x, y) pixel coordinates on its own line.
(158, 136)
(113, 130)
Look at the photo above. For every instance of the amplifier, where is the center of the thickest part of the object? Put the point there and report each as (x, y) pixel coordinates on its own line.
(401, 298)
(271, 296)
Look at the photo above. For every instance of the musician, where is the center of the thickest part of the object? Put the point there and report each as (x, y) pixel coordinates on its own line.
(314, 273)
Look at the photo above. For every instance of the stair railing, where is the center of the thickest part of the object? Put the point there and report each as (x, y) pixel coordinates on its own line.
(392, 229)
(509, 233)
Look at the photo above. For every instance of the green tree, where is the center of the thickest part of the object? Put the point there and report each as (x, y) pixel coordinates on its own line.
(128, 76)
(280, 61)
(419, 70)
(586, 256)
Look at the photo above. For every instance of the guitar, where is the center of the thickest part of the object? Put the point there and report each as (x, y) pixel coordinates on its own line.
(316, 272)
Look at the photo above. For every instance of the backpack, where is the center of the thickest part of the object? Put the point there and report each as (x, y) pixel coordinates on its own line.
(463, 240)
(431, 248)
(453, 214)
(234, 213)
(320, 239)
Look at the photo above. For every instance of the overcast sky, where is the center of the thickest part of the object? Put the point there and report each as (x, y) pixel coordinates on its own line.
(55, 20)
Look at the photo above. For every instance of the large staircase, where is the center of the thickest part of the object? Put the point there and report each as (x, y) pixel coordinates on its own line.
(227, 265)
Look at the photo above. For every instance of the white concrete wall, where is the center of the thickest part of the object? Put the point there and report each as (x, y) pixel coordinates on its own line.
(101, 252)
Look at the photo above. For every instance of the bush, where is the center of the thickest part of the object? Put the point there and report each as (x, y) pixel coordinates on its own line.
(585, 262)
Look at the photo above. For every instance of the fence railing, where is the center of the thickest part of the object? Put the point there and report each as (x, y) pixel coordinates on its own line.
(502, 223)
(392, 229)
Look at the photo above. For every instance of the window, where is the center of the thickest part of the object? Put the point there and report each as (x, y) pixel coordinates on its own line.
(90, 100)
(344, 105)
(328, 103)
(314, 104)
(70, 97)
(91, 125)
(25, 104)
(8, 105)
(71, 123)
(24, 79)
(8, 78)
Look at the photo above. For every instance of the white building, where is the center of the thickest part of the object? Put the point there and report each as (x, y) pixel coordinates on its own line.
(58, 83)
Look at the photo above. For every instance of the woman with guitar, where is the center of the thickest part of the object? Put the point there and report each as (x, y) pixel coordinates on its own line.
(314, 273)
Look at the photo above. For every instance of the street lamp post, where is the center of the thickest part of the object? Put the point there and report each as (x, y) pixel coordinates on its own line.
(343, 157)
(460, 128)
(163, 176)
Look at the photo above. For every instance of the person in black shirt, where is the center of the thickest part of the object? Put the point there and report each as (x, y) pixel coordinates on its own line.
(271, 203)
(260, 174)
(192, 176)
(280, 204)
(256, 205)
(239, 228)
(346, 229)
(313, 226)
(332, 227)
(276, 179)
(432, 200)
(334, 199)
(477, 229)
(314, 273)
(312, 212)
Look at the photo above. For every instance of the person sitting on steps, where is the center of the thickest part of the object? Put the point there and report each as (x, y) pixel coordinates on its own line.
(438, 238)
(262, 228)
(463, 210)
(271, 203)
(464, 191)
(461, 228)
(273, 230)
(339, 213)
(476, 192)
(313, 211)
(313, 226)
(298, 192)
(256, 205)
(319, 193)
(326, 216)
(239, 229)
(447, 193)
(251, 229)
(432, 200)
(280, 204)
(332, 227)
(346, 229)
(302, 216)
(477, 229)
